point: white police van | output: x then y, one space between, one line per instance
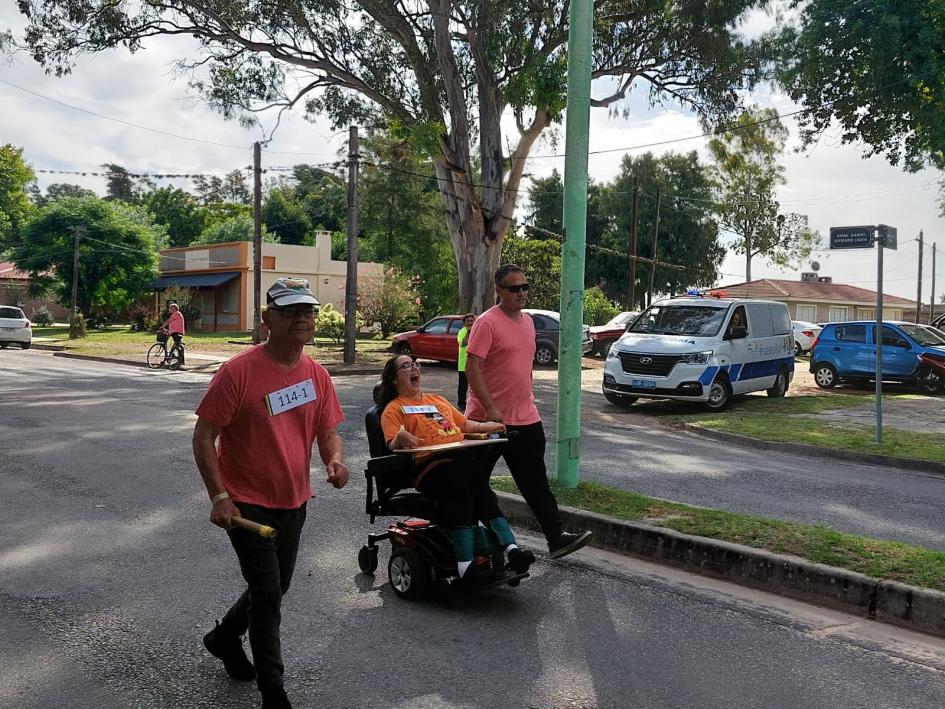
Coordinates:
704 349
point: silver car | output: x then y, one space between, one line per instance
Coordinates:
14 328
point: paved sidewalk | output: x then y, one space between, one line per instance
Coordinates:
922 415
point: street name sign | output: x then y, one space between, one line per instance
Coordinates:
851 237
888 235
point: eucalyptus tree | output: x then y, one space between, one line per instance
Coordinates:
450 72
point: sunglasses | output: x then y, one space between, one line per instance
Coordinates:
297 311
516 288
407 366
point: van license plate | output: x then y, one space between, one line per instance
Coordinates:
643 383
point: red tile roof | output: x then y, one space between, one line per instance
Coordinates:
8 270
778 289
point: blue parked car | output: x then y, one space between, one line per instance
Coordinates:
846 351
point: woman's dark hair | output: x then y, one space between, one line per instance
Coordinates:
386 390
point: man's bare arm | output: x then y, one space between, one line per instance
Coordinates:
205 455
332 451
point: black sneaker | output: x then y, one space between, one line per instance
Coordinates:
275 698
229 649
520 560
568 542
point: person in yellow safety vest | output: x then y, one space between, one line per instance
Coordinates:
463 338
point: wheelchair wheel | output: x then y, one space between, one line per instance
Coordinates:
367 559
408 573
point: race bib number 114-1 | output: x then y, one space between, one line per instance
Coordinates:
291 397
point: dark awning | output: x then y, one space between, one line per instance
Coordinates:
194 280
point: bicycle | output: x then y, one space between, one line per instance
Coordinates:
159 354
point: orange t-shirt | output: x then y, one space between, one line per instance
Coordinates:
440 424
507 348
264 457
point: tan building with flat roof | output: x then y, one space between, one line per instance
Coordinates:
222 275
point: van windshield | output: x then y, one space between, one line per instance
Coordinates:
692 320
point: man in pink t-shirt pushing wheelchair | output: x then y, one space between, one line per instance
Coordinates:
499 368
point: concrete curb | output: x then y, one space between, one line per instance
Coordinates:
891 602
925 466
92 358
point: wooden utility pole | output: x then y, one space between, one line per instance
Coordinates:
76 232
932 294
632 254
351 283
918 296
656 231
257 241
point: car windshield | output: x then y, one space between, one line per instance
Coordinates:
620 320
8 312
692 320
925 336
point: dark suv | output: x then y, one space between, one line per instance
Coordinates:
847 351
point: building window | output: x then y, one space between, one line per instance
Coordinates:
269 263
806 313
838 313
866 313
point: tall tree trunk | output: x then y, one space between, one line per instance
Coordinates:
747 265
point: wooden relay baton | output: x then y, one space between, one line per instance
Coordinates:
263 530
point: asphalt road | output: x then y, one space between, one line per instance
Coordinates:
110 573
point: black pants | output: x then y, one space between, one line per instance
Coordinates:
178 342
525 456
461 389
461 487
267 565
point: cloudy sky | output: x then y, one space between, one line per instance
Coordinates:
831 183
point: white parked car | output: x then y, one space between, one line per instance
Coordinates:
14 328
804 335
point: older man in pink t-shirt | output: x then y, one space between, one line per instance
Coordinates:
499 368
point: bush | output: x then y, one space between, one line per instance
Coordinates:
76 326
330 323
98 321
141 317
598 309
42 316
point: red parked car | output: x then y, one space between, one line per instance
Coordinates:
434 340
603 336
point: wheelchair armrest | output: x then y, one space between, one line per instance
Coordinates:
391 473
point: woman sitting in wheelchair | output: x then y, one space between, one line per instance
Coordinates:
459 483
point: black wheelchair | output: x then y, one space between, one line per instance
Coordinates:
422 557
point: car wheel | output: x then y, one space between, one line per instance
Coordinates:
25 345
605 347
931 383
544 355
408 574
4 345
720 394
403 348
780 385
798 350
825 375
620 399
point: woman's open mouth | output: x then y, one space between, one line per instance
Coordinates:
414 378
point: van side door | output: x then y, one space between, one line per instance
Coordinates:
741 350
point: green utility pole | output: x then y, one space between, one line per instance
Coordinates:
568 449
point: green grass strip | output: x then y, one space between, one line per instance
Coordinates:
790 420
874 557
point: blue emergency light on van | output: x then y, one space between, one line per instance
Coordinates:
705 350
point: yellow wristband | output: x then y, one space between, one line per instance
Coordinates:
222 496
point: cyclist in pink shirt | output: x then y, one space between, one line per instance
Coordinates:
175 327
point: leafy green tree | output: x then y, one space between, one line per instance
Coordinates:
15 206
402 223
57 191
230 188
687 237
390 301
445 74
118 248
286 217
876 68
238 228
123 186
324 196
748 174
540 259
330 323
180 214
